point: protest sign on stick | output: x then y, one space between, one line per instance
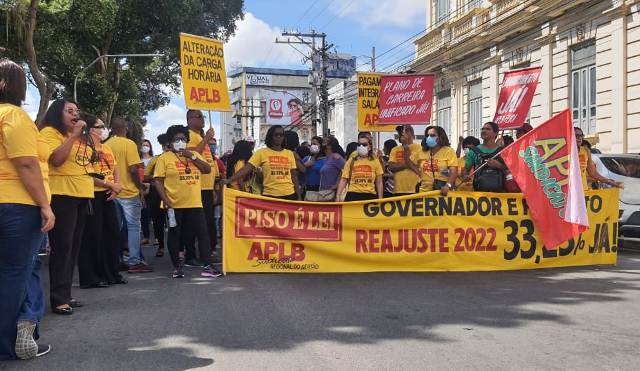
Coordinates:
368 103
204 79
406 99
516 95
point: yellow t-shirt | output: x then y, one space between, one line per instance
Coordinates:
235 185
585 158
126 154
459 185
72 177
19 137
363 174
404 181
276 170
106 166
182 187
438 166
207 179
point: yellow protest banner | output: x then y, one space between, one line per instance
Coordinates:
467 231
204 79
368 106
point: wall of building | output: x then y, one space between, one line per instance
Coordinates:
613 26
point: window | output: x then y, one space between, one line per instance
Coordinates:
443 115
442 10
475 108
583 87
471 4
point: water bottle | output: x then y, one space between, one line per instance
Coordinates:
171 214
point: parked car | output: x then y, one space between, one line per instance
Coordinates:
624 168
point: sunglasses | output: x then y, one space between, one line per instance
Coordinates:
363 144
180 140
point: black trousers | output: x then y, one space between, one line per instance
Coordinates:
158 216
356 196
190 234
291 197
99 257
65 240
193 220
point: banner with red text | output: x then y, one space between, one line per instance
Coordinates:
544 162
369 103
465 231
406 99
516 95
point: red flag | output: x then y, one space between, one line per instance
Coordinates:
405 99
544 162
516 95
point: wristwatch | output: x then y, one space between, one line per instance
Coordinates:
193 157
449 185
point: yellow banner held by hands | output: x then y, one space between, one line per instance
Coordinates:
204 79
466 231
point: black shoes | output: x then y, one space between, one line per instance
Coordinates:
98 285
63 311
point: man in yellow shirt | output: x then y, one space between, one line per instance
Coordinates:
405 179
128 161
195 123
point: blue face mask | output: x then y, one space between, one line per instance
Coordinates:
431 142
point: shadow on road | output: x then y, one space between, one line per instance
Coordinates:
159 323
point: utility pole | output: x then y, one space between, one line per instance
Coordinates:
251 115
318 70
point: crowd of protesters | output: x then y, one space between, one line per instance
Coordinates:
91 194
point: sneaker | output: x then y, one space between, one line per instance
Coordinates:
193 263
26 346
140 268
43 349
178 273
211 272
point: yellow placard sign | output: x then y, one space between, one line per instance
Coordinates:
466 231
204 79
368 107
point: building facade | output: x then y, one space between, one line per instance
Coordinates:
589 52
250 92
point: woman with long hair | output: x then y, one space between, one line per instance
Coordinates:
436 164
99 257
72 189
25 217
278 165
242 152
362 174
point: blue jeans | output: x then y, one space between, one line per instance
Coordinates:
131 210
21 295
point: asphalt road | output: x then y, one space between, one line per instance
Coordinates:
574 318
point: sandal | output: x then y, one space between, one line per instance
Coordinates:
160 253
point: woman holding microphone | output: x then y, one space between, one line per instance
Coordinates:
25 216
72 189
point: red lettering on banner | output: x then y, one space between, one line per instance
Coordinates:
202 95
406 99
287 221
276 251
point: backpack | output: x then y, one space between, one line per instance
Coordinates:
487 179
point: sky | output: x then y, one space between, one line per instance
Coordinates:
353 26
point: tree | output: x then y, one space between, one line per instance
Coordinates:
72 33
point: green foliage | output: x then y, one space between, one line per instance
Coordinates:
72 33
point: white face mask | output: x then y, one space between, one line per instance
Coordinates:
314 148
363 151
145 149
104 134
179 145
466 151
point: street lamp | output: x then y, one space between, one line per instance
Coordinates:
75 81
